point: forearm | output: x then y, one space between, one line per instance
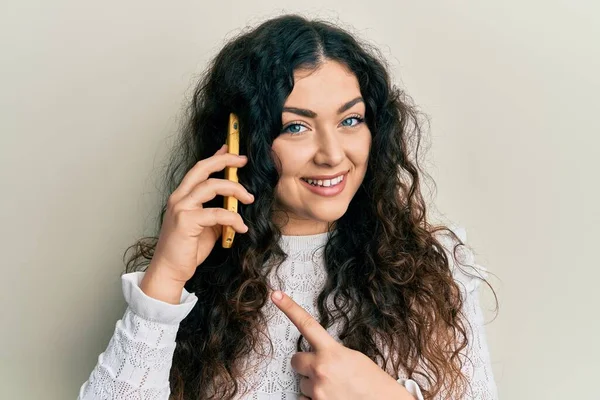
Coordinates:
136 362
138 358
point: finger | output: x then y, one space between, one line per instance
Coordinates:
208 217
306 387
203 169
314 333
223 149
303 363
210 188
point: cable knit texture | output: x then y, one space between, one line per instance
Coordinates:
137 361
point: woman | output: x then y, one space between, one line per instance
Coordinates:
337 286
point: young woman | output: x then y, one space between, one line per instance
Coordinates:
336 286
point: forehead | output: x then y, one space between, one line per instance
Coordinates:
323 89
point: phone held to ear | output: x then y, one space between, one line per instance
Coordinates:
231 203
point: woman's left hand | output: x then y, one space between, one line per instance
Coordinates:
333 371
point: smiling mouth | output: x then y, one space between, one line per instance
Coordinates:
325 182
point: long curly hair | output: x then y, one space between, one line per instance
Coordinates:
389 277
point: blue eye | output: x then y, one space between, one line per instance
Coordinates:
297 125
293 132
357 118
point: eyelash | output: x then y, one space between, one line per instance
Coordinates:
357 117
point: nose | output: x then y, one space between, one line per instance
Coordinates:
330 149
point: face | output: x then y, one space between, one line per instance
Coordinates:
324 139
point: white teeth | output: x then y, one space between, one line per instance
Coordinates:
326 182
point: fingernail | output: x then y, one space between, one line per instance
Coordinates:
277 295
242 156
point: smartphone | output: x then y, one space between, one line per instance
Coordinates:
229 202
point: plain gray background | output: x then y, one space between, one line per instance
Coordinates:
90 93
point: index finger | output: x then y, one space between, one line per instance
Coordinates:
309 327
203 168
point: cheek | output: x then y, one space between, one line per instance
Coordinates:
291 158
360 148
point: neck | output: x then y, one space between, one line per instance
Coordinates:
292 226
303 231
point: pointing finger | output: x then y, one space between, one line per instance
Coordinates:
310 328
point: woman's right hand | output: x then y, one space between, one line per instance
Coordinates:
189 231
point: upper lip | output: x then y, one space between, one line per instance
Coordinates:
325 177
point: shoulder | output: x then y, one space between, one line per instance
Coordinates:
461 257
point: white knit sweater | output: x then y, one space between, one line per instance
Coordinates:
137 361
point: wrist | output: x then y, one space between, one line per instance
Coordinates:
157 285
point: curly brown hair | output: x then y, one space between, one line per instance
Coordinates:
390 279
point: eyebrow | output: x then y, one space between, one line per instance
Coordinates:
311 114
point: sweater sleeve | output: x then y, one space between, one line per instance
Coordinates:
137 361
412 388
477 364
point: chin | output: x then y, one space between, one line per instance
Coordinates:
328 214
